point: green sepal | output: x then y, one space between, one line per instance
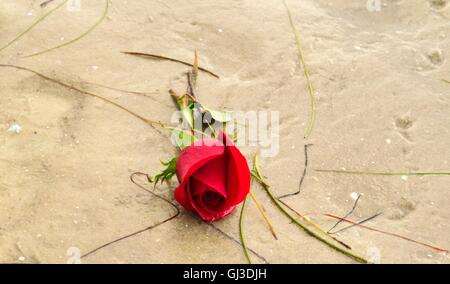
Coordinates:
166 174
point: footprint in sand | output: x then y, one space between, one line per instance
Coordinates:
401 209
435 56
404 124
430 60
438 4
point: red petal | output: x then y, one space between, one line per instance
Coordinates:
238 182
214 175
182 196
191 159
204 198
197 155
207 214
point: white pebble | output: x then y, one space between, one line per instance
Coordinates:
219 30
405 178
354 195
21 258
388 141
15 128
95 67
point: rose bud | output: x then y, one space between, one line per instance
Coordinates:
214 177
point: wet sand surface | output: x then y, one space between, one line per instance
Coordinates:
381 106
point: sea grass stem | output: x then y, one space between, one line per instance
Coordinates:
241 232
382 173
33 25
258 176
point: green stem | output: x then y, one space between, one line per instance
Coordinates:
241 233
33 25
261 211
78 37
383 173
308 231
312 224
258 176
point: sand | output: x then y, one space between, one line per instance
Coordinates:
381 106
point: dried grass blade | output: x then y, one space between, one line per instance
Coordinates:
386 232
382 173
312 113
259 177
155 56
261 210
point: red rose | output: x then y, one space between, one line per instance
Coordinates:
214 177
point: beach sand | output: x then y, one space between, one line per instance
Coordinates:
381 106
